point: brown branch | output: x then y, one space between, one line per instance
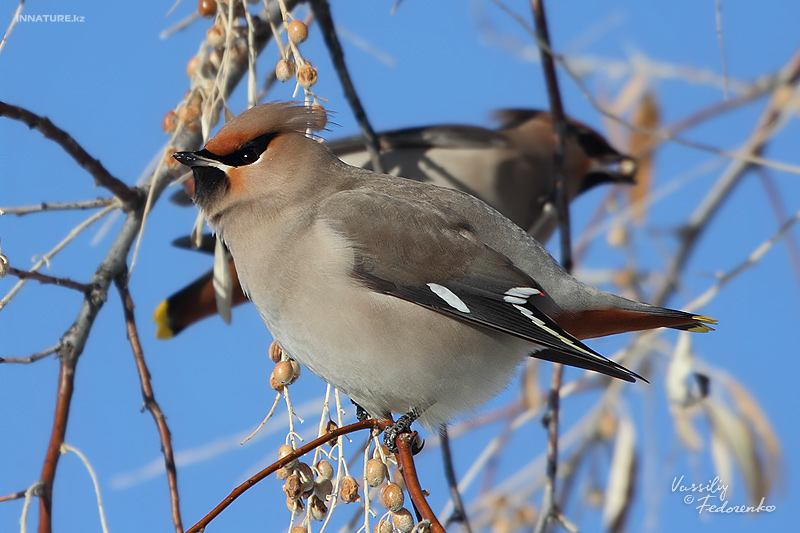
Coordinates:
406 461
549 508
323 14
56 206
459 512
74 340
49 280
13 496
150 403
129 197
241 489
31 358
559 130
71 347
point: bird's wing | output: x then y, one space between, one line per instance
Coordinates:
207 243
426 137
412 248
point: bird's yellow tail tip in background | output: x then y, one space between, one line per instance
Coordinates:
161 318
703 328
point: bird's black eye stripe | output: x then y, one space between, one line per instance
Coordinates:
592 143
247 154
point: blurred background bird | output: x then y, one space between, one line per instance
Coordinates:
510 168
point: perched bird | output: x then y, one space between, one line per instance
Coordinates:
411 298
510 168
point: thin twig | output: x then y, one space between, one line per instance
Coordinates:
56 206
323 14
459 512
718 17
74 340
13 496
67 448
129 196
549 509
406 462
150 402
559 130
11 26
45 259
31 358
699 219
299 452
740 156
48 280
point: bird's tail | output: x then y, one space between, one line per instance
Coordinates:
629 315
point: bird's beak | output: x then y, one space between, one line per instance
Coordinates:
192 159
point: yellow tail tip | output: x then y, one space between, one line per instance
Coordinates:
160 317
703 327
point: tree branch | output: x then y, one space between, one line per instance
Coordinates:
150 400
129 197
56 206
299 452
48 280
323 14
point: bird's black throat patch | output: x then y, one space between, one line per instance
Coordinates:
210 184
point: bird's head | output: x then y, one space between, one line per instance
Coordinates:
258 153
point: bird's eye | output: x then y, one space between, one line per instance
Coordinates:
248 156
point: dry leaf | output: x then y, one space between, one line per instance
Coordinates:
621 476
758 421
647 117
736 439
223 281
531 391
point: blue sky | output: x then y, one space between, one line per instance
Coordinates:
109 80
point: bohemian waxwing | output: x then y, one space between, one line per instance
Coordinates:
510 168
409 297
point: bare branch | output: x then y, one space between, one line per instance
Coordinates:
150 400
13 496
56 206
299 452
45 259
129 196
49 280
323 14
698 221
406 460
31 358
549 509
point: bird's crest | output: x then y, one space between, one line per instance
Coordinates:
272 117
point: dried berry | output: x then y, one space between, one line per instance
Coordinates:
191 66
349 490
275 352
284 70
207 8
403 521
307 76
285 450
392 497
170 122
376 472
297 31
293 486
283 372
215 35
317 509
324 470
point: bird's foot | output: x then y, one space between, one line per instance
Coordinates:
361 413
402 425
